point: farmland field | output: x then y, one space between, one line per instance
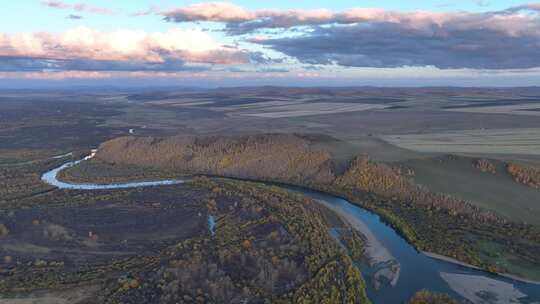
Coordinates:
485 141
315 108
518 109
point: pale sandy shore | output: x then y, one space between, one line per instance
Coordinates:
376 253
374 250
482 290
449 259
454 261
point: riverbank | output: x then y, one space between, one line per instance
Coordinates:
380 254
374 251
477 288
457 262
51 178
449 260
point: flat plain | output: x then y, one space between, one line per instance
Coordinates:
495 190
421 133
483 141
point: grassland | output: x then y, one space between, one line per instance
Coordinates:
313 108
516 109
495 191
482 142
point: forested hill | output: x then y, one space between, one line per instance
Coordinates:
279 157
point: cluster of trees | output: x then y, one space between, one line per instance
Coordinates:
427 297
529 176
21 181
354 242
4 231
278 157
390 183
485 165
269 246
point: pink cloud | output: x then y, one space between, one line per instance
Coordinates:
55 75
511 21
212 11
121 45
79 7
55 4
66 75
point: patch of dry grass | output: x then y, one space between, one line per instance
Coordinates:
315 108
494 141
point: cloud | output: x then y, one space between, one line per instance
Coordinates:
66 75
390 46
240 21
524 7
153 10
313 68
74 17
55 4
84 49
370 37
18 64
79 7
357 37
212 11
273 70
483 3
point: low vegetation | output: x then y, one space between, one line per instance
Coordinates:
485 165
269 245
426 297
4 231
456 175
17 182
101 173
278 157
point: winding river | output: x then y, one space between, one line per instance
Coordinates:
51 178
396 269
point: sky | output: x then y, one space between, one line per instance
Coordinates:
62 43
